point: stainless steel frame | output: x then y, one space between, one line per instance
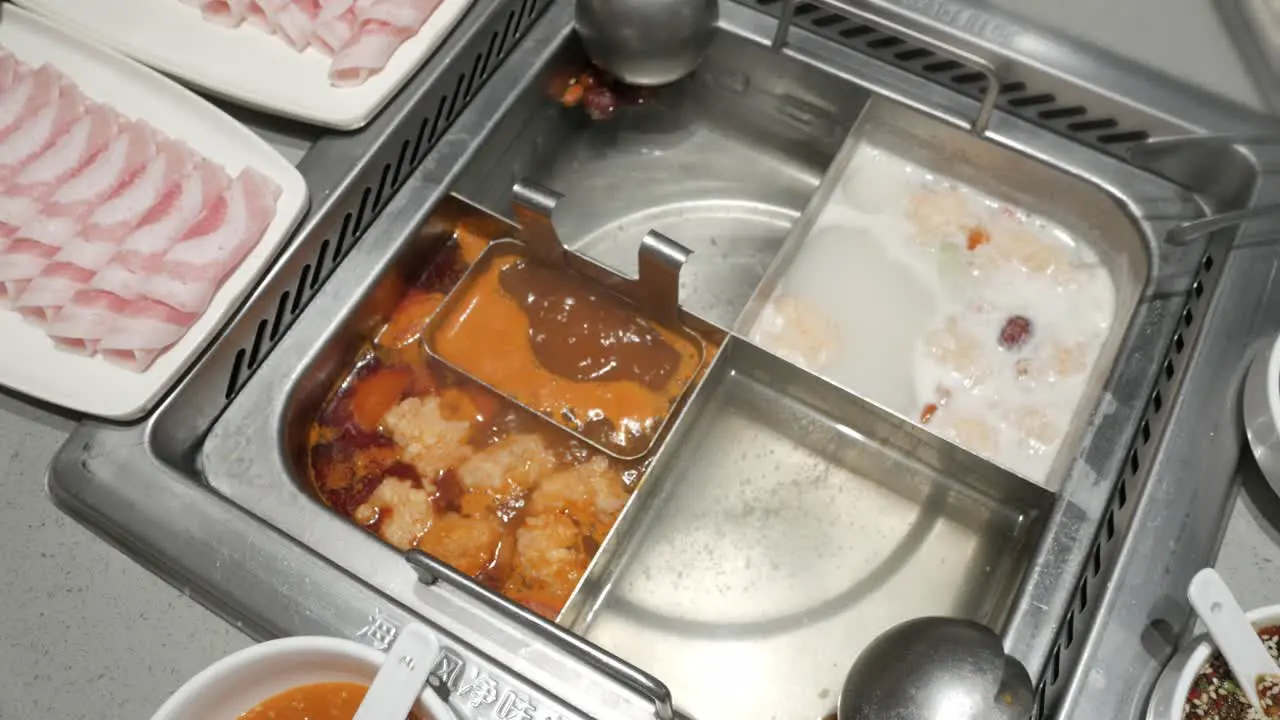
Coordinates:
142 486
655 291
1246 23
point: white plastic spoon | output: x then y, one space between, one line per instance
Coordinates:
401 678
1232 633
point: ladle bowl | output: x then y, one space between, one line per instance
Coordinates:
936 669
647 43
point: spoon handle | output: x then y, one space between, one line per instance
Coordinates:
401 678
1231 631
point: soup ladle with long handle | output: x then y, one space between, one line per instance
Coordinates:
936 668
1232 633
400 680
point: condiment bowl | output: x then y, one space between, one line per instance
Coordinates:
1261 407
239 682
1170 693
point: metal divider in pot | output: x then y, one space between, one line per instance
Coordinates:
641 313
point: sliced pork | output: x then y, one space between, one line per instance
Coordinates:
39 130
193 269
66 158
136 253
228 13
360 35
98 210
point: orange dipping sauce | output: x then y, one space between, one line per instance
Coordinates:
487 334
322 701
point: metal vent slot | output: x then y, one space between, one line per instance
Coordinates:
363 208
1041 108
1119 512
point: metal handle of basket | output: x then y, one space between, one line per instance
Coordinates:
1189 232
1186 233
431 571
909 25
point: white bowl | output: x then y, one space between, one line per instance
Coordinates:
1171 689
237 683
1261 408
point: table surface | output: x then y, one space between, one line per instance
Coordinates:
86 633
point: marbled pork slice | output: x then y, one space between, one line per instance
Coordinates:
195 267
31 90
78 324
139 252
38 131
146 328
23 198
62 215
382 27
228 13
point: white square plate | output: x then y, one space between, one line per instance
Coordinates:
246 65
29 361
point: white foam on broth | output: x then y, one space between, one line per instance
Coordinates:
901 292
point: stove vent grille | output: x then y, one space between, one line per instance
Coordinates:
1096 129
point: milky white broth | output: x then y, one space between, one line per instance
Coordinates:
904 290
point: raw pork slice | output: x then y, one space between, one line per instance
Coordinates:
59 222
228 13
295 22
191 272
142 331
55 286
256 16
21 262
137 253
330 9
383 27
215 245
76 324
126 207
39 131
11 69
31 90
71 154
360 35
63 214
366 53
335 25
268 13
80 325
107 225
143 249
408 15
330 36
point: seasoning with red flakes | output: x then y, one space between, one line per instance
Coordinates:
1215 694
1015 333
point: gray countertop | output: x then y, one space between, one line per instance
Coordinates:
86 633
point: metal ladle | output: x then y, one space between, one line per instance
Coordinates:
647 42
936 669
